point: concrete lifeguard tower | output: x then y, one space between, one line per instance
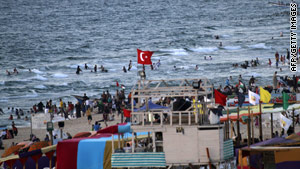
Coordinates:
181 134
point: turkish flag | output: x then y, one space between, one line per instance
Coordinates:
144 57
220 98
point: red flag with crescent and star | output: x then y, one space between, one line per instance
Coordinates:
144 57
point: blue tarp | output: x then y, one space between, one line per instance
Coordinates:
151 107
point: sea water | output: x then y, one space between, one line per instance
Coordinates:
53 37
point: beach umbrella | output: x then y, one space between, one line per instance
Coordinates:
11 150
38 145
82 134
25 144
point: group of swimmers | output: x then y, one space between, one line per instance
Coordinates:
94 70
15 71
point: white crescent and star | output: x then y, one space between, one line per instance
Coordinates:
141 56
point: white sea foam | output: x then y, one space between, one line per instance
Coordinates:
204 49
232 47
176 52
59 75
37 71
259 46
39 77
40 87
253 74
2 82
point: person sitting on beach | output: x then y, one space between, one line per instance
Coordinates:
78 70
97 126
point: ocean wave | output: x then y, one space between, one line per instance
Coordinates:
259 46
204 49
232 47
75 66
37 71
253 74
40 87
59 75
38 77
176 52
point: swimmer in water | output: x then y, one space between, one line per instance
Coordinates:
16 71
210 58
129 65
8 73
204 57
78 70
29 70
86 66
196 68
95 68
220 45
124 69
270 62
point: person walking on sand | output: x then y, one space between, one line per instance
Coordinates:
89 115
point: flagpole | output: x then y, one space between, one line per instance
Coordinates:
260 123
248 127
271 125
252 127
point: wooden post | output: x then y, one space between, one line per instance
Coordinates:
271 125
227 124
208 156
153 141
112 144
248 128
132 142
238 126
119 144
252 126
260 123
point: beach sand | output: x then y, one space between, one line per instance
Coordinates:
72 126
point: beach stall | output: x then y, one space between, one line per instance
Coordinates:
179 130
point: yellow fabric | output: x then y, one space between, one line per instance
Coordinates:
199 107
287 155
107 154
265 96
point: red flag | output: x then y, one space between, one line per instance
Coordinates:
126 113
117 83
144 57
220 98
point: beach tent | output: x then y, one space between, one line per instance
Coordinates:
91 152
151 106
284 152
